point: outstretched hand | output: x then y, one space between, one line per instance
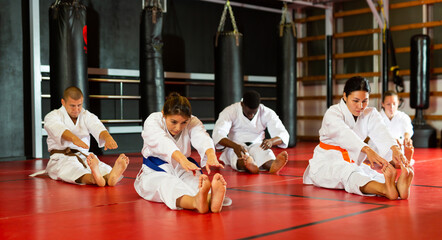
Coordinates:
77 142
110 143
408 142
398 157
69 136
212 161
373 158
189 166
184 162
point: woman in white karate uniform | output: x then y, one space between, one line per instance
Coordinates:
168 174
338 160
398 123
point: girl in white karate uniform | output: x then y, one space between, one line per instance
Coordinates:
168 174
338 160
398 123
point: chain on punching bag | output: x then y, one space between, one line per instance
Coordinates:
286 76
67 49
229 73
151 60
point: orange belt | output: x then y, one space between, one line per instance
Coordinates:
332 147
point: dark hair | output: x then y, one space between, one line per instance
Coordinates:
72 92
177 105
251 99
387 94
356 83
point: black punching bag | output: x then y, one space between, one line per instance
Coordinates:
67 49
228 70
420 72
151 61
229 74
424 135
286 80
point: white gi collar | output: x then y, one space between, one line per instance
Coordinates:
254 119
348 116
384 115
65 113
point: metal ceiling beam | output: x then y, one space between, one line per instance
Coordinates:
307 4
244 5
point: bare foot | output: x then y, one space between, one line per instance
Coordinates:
390 191
118 169
201 204
93 162
280 161
404 181
218 193
251 165
408 152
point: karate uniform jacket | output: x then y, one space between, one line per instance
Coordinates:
158 142
327 168
58 121
234 125
398 125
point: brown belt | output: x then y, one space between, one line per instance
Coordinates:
70 152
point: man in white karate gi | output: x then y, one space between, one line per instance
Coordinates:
240 128
69 129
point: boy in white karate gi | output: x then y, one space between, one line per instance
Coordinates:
240 128
69 129
168 174
337 161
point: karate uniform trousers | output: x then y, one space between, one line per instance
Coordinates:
173 182
69 168
328 169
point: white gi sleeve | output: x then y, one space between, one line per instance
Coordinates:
95 127
222 126
379 134
276 128
156 140
340 133
55 127
199 138
408 126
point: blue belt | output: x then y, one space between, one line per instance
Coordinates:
154 163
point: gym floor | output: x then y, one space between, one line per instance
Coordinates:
264 206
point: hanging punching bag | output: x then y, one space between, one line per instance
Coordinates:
67 49
286 80
420 72
424 135
151 60
229 73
